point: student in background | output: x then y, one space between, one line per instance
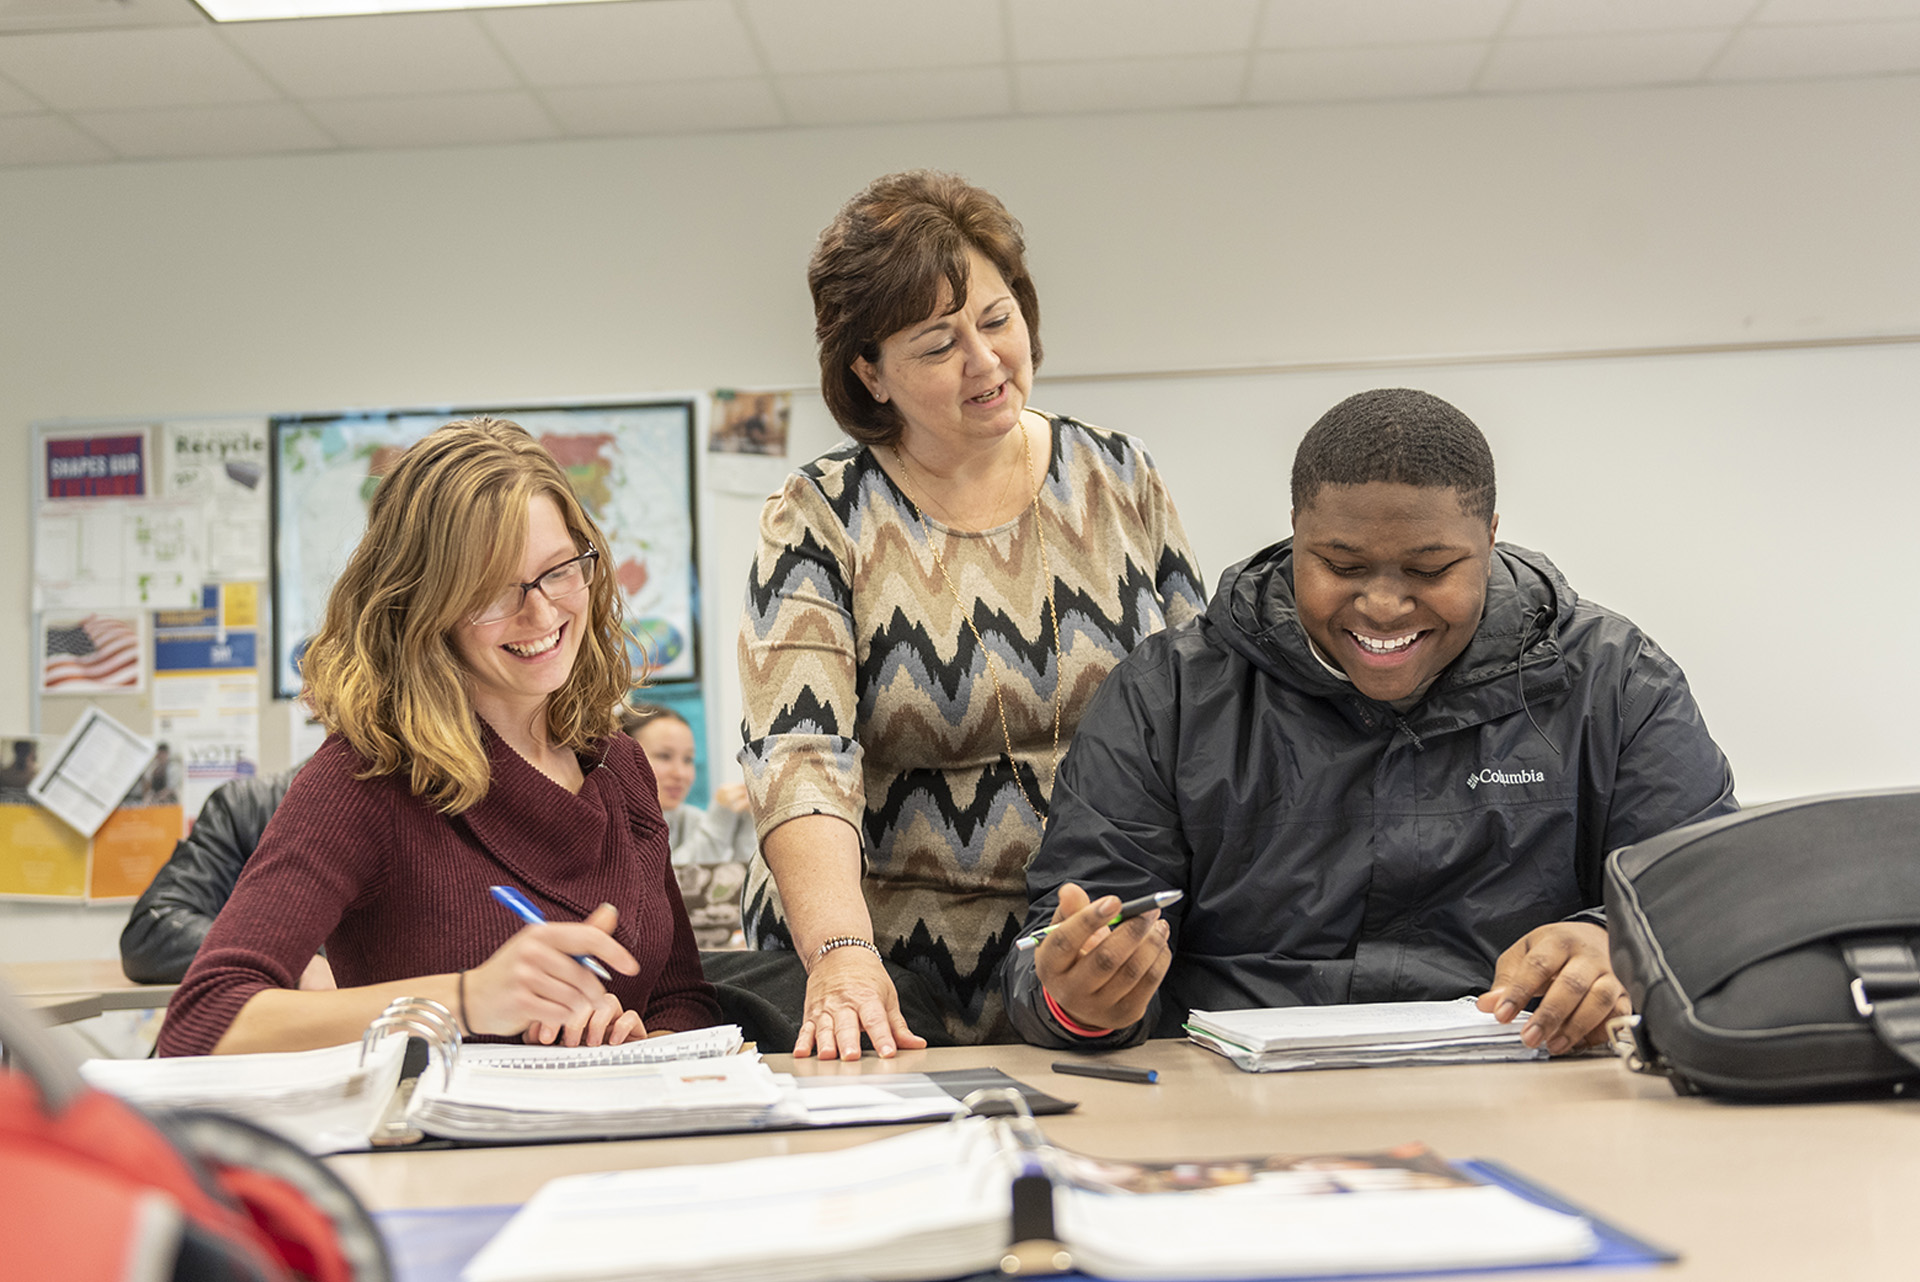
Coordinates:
467 671
710 848
1387 764
165 928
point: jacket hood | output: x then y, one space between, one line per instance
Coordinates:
1529 606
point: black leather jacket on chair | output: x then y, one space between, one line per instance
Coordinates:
172 916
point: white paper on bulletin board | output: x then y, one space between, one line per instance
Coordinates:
222 465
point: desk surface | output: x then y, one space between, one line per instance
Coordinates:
1788 1192
73 990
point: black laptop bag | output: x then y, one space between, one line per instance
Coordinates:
1770 954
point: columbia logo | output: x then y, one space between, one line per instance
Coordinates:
1505 776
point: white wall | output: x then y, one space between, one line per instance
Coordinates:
1161 242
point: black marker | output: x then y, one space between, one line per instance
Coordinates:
1111 1072
1132 908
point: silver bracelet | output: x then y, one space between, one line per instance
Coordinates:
841 941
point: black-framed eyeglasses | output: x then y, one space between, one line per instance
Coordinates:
565 580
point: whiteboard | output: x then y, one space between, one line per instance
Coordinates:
1754 510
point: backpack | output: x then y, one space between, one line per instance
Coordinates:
1770 954
92 1188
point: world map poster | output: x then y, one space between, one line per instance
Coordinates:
631 466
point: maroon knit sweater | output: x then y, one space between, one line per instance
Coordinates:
395 889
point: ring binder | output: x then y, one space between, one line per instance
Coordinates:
429 1026
425 1018
1034 1248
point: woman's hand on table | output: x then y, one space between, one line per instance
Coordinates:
850 992
533 984
1101 976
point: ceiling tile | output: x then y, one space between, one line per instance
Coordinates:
1305 24
1138 84
1600 62
1331 75
1843 49
1582 17
240 130
110 70
681 106
16 102
887 97
67 15
434 120
46 140
1834 10
610 44
856 35
1095 30
391 55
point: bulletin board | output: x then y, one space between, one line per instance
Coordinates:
632 466
149 557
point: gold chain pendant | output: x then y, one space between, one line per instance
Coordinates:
1053 613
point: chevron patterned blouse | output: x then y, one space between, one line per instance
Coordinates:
867 697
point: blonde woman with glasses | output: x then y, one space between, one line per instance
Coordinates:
466 670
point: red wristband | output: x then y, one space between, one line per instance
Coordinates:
1061 1016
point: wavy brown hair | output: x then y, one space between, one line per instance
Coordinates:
445 533
879 267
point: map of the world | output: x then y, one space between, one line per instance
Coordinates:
631 465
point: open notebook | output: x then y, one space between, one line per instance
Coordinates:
1362 1035
398 1091
938 1203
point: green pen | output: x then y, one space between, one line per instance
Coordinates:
1132 908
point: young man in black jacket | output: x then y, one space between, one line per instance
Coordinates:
1387 764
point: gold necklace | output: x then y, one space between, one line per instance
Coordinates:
1053 613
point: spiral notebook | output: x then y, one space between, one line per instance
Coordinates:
698 1043
411 1083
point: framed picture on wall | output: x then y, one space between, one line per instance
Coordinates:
631 466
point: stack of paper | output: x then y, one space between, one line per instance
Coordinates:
1359 1036
325 1101
927 1204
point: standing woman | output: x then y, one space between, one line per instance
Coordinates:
931 608
466 671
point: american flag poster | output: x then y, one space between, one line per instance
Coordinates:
97 653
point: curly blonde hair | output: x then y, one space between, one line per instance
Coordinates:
445 533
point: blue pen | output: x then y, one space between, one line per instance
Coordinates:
523 909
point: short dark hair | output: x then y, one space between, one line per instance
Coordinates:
1400 435
635 715
879 266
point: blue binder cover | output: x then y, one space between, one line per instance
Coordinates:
433 1245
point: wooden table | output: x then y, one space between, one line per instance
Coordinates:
64 992
1743 1192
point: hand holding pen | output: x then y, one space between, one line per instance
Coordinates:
538 982
1125 912
1100 967
529 912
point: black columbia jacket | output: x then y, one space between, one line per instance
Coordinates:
1334 850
